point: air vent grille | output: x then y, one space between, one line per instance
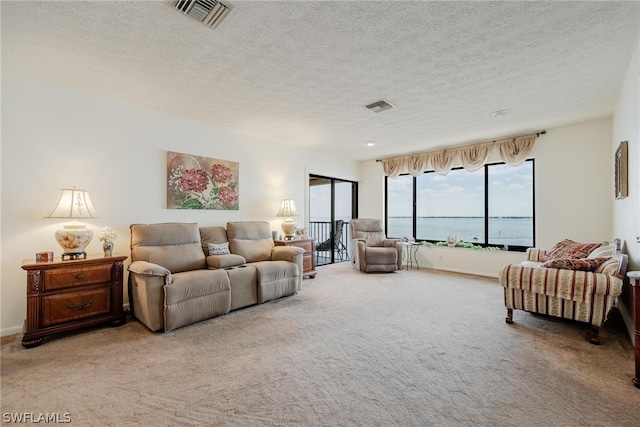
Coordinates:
379 106
209 12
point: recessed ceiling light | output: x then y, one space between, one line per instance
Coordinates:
500 113
370 143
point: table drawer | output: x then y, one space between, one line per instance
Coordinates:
71 277
75 305
307 262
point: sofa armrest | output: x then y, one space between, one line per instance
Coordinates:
215 262
144 268
286 253
146 289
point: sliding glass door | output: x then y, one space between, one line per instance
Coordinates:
332 204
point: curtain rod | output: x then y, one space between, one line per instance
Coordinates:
542 132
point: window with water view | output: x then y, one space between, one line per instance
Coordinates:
493 206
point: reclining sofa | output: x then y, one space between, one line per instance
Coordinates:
182 274
572 281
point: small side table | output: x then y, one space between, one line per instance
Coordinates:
634 278
411 249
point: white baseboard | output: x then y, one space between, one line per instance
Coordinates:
4 332
462 271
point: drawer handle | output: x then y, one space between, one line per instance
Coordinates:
80 307
79 276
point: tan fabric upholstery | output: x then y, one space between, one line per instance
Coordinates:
371 251
195 296
225 261
244 286
250 239
174 246
212 235
172 283
276 279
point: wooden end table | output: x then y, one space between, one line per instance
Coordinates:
64 296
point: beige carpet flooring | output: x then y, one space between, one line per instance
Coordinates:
412 348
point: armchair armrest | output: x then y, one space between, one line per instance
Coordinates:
536 254
391 242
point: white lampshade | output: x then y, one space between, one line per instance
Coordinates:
73 203
74 237
288 209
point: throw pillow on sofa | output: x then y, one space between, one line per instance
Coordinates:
219 248
583 264
569 249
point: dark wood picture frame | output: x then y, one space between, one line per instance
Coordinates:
621 175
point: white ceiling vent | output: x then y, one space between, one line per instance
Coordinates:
209 12
379 106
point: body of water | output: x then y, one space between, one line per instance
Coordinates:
516 231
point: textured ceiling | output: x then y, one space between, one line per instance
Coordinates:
301 72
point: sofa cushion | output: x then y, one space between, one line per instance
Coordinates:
212 235
218 248
604 251
250 239
194 296
569 249
582 264
224 261
610 267
175 246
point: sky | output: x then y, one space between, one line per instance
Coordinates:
460 193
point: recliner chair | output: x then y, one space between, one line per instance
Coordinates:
371 251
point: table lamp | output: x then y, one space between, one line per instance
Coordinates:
287 210
74 237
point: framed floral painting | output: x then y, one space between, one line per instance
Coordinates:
195 182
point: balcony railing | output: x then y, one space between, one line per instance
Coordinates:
321 231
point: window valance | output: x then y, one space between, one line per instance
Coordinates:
513 151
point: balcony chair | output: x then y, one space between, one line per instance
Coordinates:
334 243
371 251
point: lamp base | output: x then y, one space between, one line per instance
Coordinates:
74 255
74 238
289 228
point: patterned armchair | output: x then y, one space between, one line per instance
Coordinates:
582 289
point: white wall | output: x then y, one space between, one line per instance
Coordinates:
573 190
54 138
626 212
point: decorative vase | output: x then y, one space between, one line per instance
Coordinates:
107 246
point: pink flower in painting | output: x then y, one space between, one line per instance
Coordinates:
228 196
194 180
221 173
